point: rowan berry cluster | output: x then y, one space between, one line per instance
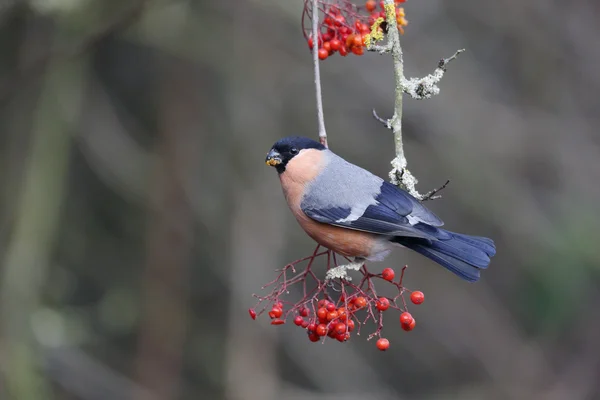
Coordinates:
335 308
344 25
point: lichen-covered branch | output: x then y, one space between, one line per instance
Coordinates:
417 88
425 88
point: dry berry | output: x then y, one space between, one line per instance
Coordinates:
383 344
388 274
417 297
383 303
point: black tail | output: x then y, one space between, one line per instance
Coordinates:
462 254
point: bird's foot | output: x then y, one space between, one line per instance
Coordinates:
341 271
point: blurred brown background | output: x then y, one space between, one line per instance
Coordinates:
137 216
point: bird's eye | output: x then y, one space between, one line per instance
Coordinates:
293 151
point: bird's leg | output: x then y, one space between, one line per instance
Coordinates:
341 270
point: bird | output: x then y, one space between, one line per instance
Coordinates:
359 215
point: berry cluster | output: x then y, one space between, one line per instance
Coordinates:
334 309
345 26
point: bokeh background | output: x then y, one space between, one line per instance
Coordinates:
137 216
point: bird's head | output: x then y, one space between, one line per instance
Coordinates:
287 148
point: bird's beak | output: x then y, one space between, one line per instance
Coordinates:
273 158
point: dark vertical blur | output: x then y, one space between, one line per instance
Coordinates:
137 216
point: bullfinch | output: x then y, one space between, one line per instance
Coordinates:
354 213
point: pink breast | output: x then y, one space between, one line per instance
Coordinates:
300 171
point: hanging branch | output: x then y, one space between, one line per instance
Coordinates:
315 53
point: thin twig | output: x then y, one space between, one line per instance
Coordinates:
385 122
431 194
315 50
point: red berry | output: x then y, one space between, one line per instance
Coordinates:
383 344
277 322
310 42
327 46
278 304
298 320
343 51
342 337
364 28
321 330
340 328
342 315
370 5
328 20
252 313
360 302
335 45
322 314
322 303
275 312
350 40
350 324
383 303
405 318
339 20
417 297
305 324
358 40
304 312
330 307
313 337
381 4
359 51
410 326
311 327
388 274
323 54
332 315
